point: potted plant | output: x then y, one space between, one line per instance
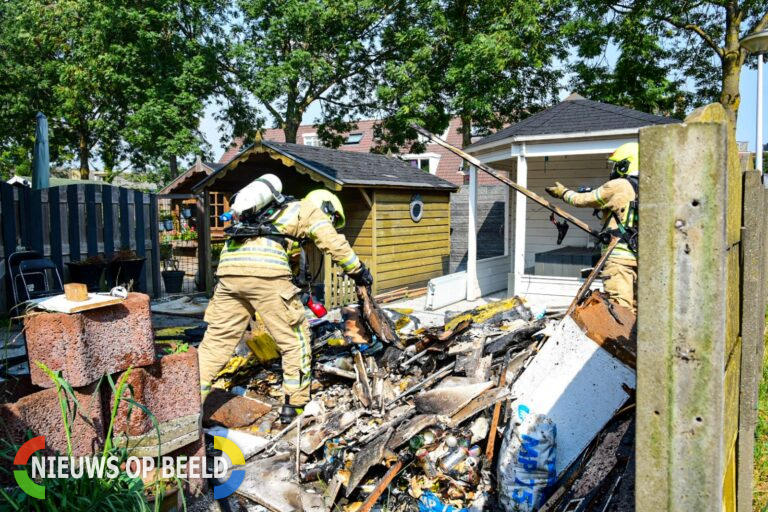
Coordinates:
172 276
166 251
87 272
186 212
125 268
166 218
216 254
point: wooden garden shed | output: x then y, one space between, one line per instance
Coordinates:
398 216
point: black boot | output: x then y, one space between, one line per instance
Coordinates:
289 412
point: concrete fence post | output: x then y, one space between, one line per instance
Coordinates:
682 307
752 329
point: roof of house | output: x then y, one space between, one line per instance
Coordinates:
343 168
576 114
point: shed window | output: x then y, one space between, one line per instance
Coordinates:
217 207
354 138
416 208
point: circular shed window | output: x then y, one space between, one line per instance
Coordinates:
417 208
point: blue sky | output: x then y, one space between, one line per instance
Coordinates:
745 129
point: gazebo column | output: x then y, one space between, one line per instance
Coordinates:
472 286
518 254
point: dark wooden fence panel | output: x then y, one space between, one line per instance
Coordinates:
73 222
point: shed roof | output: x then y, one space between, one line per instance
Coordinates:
576 114
186 180
338 168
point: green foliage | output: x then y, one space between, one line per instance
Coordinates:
88 494
121 81
289 55
760 477
488 62
670 54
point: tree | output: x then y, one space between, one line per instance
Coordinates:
287 55
117 80
665 47
489 62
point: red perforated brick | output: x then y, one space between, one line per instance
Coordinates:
39 414
169 388
85 346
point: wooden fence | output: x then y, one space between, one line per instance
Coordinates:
73 222
339 289
701 317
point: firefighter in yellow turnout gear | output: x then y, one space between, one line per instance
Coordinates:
255 277
616 199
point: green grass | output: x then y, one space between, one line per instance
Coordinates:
761 445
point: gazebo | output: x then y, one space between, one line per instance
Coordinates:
569 143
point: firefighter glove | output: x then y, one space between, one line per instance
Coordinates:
362 276
557 191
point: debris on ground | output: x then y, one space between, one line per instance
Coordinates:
417 424
503 407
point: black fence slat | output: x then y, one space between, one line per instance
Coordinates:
54 212
109 219
8 216
25 198
8 219
125 225
36 221
141 250
154 234
73 226
91 222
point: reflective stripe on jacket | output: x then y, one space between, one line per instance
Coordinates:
267 257
613 196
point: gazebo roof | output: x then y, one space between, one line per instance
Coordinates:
575 115
336 168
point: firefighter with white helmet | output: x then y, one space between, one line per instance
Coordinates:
617 199
254 276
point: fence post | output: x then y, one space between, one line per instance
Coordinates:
682 306
752 328
204 267
155 238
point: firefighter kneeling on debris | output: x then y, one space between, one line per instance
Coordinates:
617 199
254 276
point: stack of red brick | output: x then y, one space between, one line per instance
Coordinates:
86 347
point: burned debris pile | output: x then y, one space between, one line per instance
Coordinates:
426 421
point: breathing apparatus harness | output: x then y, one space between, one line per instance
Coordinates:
626 233
260 223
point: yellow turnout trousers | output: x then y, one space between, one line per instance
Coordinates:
277 302
620 282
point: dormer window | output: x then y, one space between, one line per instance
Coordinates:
353 138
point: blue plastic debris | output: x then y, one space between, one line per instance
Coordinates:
429 502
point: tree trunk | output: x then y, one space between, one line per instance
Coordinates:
466 130
731 61
291 129
84 154
173 164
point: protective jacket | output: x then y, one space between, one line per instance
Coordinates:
614 196
269 256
